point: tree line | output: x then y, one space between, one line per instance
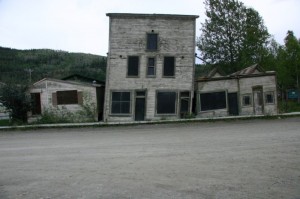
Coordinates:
21 66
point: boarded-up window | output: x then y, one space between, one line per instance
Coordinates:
120 103
152 39
169 67
213 101
67 97
151 67
166 103
133 66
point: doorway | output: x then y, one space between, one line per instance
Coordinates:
36 103
258 101
140 105
233 105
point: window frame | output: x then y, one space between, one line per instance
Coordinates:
148 66
174 67
272 93
111 103
128 65
175 105
148 44
243 100
214 109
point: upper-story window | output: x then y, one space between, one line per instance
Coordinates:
133 66
151 67
169 67
152 39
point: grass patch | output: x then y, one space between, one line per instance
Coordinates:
4 122
288 107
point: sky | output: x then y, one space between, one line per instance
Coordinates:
82 25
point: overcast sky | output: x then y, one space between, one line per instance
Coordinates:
82 25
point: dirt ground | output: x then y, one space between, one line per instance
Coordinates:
236 159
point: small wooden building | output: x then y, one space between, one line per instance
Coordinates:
251 91
70 96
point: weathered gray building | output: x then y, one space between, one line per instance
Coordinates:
251 91
150 66
80 99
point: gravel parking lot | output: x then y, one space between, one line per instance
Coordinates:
236 159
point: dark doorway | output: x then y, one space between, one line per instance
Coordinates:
233 104
140 107
36 103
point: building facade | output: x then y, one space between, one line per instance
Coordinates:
150 67
251 91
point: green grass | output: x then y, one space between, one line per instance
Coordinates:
4 122
287 107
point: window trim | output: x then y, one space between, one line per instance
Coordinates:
176 103
138 68
163 68
157 46
273 97
130 104
154 67
250 100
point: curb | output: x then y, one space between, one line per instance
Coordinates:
107 124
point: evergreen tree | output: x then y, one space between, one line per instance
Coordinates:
233 36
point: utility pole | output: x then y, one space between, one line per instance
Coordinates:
29 70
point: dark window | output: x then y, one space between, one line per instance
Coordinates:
152 41
166 103
133 66
67 97
269 98
213 101
151 67
246 100
169 67
120 103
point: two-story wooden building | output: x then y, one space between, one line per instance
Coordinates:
150 67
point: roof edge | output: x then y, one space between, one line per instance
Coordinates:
154 15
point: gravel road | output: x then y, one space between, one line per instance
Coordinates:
236 159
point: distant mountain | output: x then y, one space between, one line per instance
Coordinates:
18 66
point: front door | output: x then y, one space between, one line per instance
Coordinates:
140 107
258 101
233 104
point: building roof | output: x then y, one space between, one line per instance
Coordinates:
81 78
254 69
69 82
136 15
251 71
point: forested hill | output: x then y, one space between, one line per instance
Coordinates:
17 65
